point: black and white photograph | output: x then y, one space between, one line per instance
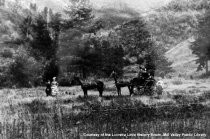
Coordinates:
104 69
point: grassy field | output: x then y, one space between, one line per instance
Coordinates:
183 108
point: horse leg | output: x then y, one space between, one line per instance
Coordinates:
118 90
100 90
85 93
131 90
100 93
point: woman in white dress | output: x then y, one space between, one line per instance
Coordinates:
54 86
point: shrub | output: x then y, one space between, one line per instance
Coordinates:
206 95
64 81
7 53
5 80
24 70
205 75
177 81
50 70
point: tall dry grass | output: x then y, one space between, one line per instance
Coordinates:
27 113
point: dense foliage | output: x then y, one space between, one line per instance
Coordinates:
80 43
40 37
201 46
25 71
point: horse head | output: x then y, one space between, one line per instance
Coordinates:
113 74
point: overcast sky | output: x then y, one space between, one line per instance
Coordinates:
138 5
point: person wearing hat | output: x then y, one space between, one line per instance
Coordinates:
142 72
54 86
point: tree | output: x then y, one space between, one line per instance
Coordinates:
201 46
45 14
111 57
41 36
51 70
55 25
26 29
134 37
2 2
33 7
137 42
79 14
45 42
42 43
78 22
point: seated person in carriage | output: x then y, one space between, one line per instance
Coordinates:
143 74
145 80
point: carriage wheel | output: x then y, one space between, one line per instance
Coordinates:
138 90
149 88
141 90
148 91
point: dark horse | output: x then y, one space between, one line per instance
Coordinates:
120 84
99 85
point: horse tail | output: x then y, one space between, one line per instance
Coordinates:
103 85
100 84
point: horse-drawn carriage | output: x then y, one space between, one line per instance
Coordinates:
143 86
144 83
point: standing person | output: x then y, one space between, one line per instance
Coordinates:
54 86
48 88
